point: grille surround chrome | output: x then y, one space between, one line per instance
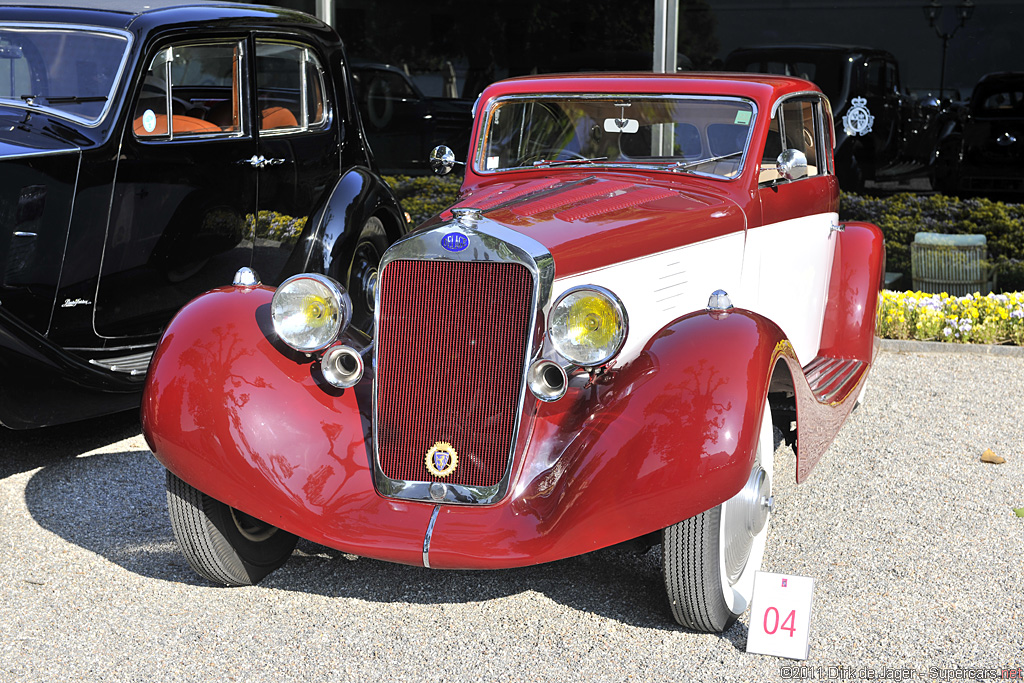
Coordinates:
487 241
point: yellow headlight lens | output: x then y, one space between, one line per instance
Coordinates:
587 326
310 311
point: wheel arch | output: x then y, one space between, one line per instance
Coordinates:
360 194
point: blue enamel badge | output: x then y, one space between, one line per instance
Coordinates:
455 241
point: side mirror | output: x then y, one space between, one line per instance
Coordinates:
442 160
792 164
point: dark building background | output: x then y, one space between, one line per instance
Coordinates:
485 41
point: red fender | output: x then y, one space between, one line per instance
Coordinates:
244 420
235 414
673 434
858 272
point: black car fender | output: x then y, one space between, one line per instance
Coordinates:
357 196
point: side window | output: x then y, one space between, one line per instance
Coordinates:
191 90
876 77
290 90
797 125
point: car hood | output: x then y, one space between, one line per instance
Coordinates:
590 222
19 140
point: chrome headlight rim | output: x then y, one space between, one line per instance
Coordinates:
336 294
622 320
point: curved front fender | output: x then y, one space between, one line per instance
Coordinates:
236 414
357 195
672 434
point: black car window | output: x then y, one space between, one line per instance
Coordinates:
880 78
290 90
1000 100
194 88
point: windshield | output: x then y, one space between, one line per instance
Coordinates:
705 135
71 72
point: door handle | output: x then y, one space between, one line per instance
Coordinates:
836 227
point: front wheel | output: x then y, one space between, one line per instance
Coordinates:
709 560
362 273
221 543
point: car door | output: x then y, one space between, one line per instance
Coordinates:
794 246
183 190
298 132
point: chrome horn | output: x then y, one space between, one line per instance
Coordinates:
342 366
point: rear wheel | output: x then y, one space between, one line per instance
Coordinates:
709 560
221 543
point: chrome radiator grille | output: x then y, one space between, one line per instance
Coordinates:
451 350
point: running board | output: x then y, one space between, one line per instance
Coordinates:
828 377
136 364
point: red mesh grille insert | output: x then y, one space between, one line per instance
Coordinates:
450 354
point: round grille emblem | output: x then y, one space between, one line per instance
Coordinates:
441 459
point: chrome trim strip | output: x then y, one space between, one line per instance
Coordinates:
134 365
478 153
488 241
427 536
792 95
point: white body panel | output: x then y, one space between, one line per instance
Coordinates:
781 272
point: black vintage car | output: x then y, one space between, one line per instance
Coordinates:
881 133
147 152
402 123
982 147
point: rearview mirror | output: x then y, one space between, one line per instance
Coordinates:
442 160
792 164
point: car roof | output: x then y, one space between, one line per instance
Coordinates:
147 14
763 88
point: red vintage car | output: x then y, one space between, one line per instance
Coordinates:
643 284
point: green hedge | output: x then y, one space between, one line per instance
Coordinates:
425 196
900 216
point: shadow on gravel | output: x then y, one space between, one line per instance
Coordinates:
21 451
114 504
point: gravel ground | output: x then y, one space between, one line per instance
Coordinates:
912 542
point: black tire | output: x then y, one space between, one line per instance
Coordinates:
360 280
701 595
222 544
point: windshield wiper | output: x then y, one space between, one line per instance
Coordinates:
66 99
562 162
685 165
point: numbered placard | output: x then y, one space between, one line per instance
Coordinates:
780 616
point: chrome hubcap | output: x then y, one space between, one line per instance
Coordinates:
743 518
251 528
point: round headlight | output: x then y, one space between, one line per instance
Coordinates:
587 326
310 311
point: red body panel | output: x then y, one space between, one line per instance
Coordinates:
232 413
858 271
